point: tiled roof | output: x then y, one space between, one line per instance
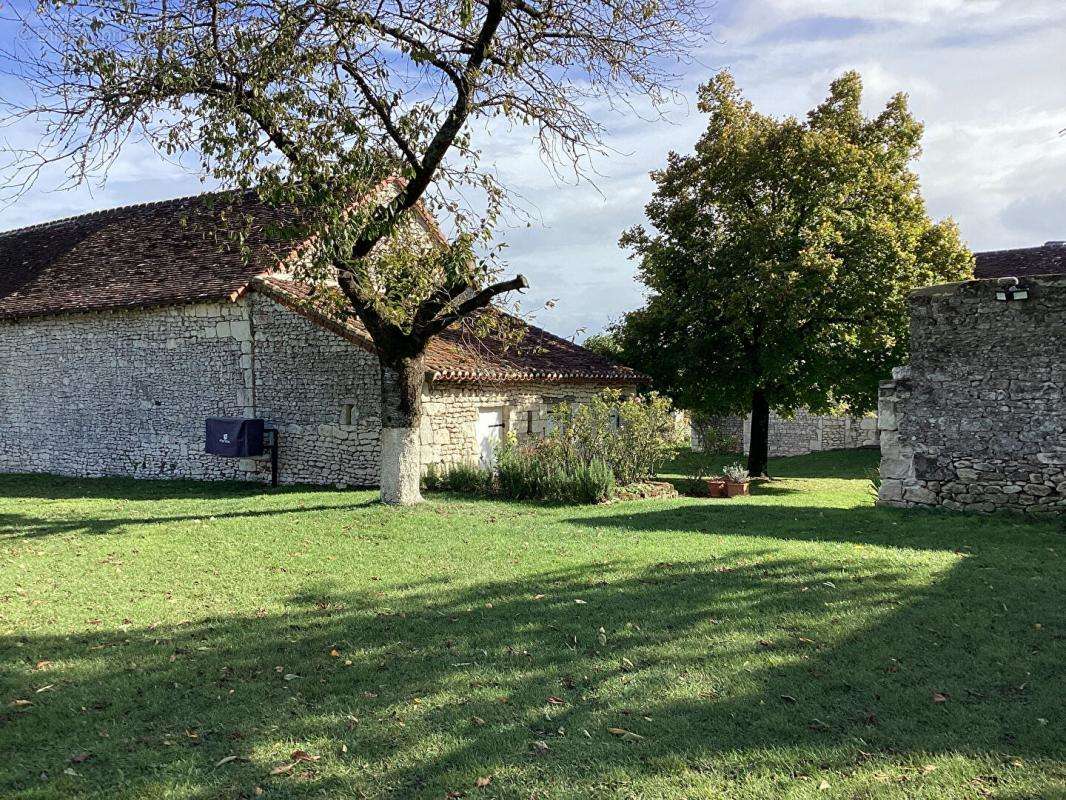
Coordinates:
174 251
182 251
458 356
1048 259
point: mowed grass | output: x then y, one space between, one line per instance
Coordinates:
180 640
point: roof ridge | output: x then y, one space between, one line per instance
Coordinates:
1044 246
115 209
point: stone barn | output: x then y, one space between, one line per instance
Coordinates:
123 330
977 420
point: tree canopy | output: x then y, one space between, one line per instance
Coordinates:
314 103
782 255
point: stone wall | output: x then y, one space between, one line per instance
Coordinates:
126 393
121 393
977 421
802 433
450 413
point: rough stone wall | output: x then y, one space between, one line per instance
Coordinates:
126 393
977 421
322 394
803 433
122 393
450 413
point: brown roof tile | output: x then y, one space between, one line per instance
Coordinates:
174 251
1048 259
457 355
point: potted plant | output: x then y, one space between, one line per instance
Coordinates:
701 483
716 486
736 480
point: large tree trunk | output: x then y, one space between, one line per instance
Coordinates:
759 446
401 414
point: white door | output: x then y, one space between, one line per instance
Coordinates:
489 434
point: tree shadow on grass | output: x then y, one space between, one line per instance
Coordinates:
843 464
727 668
24 526
56 487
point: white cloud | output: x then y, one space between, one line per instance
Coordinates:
897 10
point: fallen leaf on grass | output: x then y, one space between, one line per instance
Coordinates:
335 653
225 760
624 735
80 758
788 699
284 769
540 747
824 785
940 697
289 676
302 755
477 720
556 701
482 782
21 703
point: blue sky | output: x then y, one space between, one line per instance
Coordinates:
986 77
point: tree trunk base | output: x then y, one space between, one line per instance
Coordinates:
401 467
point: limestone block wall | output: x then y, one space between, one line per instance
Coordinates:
802 433
977 421
450 413
122 393
127 392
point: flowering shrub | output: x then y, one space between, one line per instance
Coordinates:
587 450
632 436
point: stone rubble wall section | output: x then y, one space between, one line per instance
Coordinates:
801 434
322 394
122 392
977 421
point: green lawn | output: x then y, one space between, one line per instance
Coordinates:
797 643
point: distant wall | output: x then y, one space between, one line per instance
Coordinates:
977 421
803 433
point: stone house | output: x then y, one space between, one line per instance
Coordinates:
977 419
122 331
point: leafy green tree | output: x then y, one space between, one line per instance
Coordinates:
782 257
315 103
605 344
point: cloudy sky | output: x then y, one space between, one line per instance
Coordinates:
988 78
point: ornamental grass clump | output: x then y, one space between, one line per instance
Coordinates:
537 471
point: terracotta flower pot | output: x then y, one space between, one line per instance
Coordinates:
734 489
715 487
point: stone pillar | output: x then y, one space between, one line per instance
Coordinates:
897 459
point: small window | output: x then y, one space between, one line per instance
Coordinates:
347 413
529 423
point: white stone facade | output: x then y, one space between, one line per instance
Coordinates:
450 413
127 393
